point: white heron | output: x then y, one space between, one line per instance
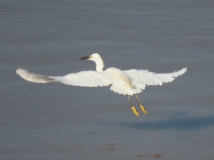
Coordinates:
126 82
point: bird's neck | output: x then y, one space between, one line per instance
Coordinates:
99 65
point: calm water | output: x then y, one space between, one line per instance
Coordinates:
54 121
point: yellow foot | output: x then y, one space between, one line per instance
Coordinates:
143 109
135 111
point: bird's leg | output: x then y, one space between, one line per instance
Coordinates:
141 106
132 107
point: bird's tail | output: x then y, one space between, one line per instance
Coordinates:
32 77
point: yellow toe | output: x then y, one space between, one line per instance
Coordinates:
143 109
135 111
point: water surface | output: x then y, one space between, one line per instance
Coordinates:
55 121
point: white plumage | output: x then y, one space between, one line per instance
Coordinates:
127 82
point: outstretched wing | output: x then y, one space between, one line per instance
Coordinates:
84 79
141 78
123 82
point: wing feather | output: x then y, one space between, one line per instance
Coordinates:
84 78
141 78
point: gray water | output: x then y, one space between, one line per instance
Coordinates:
55 121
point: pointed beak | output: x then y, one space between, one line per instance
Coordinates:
84 58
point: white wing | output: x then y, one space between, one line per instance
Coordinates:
141 78
32 77
123 82
84 79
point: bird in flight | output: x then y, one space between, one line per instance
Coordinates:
126 82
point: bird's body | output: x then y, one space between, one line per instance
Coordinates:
127 82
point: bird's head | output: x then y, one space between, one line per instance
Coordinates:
97 59
92 57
